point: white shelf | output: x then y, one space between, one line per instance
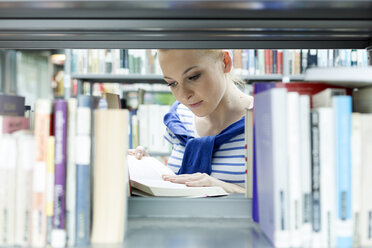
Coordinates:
342 76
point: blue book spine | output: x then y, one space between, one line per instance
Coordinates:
342 108
82 204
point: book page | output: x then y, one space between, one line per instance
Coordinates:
147 168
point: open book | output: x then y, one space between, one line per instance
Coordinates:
145 179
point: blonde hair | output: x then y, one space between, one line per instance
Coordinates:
217 53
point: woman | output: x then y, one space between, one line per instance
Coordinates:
206 124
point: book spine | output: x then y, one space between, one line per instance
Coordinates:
12 105
366 208
83 160
50 188
327 176
25 160
71 173
43 111
11 124
305 169
342 111
315 179
356 176
279 62
295 203
60 132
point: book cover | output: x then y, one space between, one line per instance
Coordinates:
50 188
12 105
249 153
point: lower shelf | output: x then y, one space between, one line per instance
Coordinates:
194 232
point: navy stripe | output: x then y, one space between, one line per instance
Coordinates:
229 172
174 165
229 164
230 141
232 148
173 137
187 123
165 137
176 158
234 181
232 156
178 150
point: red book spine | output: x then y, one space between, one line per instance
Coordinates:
267 61
279 62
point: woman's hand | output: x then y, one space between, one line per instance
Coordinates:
203 180
139 152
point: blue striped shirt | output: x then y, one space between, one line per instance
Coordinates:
228 162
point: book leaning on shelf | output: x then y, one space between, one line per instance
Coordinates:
145 180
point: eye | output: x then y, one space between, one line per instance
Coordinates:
193 78
173 84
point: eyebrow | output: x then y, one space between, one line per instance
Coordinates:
187 70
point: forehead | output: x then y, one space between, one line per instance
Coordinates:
171 60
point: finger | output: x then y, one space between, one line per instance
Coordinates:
131 151
198 183
184 179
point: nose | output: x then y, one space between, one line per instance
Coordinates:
186 92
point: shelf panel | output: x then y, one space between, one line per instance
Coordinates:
186 24
122 78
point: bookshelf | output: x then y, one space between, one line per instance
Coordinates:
176 24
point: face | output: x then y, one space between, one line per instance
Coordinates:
196 78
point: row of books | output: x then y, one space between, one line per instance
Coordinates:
46 174
267 61
312 164
246 62
114 61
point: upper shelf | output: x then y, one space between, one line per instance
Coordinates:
186 24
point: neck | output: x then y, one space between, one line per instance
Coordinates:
229 110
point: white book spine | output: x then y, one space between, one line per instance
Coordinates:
305 169
327 177
366 210
25 158
356 176
281 233
295 203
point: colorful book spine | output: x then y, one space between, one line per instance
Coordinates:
43 112
342 106
12 105
83 168
60 133
10 124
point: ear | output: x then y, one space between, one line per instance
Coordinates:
227 62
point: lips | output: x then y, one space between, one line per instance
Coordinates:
195 105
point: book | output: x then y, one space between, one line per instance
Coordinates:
270 122
110 176
324 97
249 153
43 119
59 194
145 176
366 187
12 105
50 188
24 170
362 101
342 107
10 124
71 172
